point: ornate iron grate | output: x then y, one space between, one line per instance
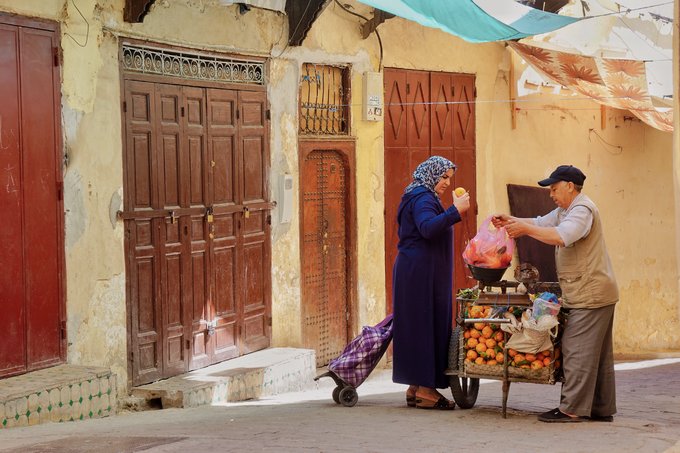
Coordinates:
173 63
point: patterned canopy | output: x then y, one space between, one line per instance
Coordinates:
616 83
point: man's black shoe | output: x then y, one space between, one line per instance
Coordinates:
557 416
602 418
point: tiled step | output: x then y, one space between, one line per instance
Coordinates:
263 373
57 394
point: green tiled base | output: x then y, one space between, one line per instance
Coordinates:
91 397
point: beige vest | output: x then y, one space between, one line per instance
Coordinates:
584 269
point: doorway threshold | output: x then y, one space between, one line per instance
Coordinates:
259 374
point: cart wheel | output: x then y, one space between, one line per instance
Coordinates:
336 394
464 391
348 396
454 348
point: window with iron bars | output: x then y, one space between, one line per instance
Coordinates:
324 100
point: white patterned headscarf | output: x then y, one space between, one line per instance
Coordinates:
429 172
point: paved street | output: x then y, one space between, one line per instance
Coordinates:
648 421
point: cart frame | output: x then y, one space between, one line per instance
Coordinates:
464 383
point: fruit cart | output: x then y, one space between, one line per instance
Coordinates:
483 308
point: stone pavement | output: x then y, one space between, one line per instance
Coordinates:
648 421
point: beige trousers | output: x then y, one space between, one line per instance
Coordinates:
589 387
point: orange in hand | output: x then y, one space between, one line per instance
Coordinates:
459 191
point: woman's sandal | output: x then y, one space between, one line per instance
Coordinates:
441 404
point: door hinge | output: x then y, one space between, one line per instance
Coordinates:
188 343
453 91
408 88
269 321
63 330
124 107
182 111
268 114
60 190
269 219
56 54
238 114
475 92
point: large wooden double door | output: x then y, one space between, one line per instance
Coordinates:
197 222
427 114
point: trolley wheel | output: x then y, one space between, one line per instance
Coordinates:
336 394
464 391
348 396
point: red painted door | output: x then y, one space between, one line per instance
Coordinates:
31 237
427 114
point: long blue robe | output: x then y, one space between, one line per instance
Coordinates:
422 283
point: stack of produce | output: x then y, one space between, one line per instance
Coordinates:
484 343
532 361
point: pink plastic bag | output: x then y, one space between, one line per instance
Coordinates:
491 248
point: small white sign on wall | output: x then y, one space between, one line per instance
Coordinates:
373 106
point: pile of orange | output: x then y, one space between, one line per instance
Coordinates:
534 361
484 343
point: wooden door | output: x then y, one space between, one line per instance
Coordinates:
31 199
255 249
326 251
197 224
427 114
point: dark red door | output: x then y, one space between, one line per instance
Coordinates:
31 237
427 114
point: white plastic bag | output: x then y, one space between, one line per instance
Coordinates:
531 335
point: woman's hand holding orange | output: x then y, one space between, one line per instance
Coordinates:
462 203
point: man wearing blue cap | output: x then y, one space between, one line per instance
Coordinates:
589 293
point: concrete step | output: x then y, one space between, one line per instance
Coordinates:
57 394
264 373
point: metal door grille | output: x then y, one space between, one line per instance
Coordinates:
324 100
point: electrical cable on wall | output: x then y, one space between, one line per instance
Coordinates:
290 35
87 32
375 30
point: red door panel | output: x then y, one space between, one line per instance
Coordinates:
464 148
439 121
30 200
13 319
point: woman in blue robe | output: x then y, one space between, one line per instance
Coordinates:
422 282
